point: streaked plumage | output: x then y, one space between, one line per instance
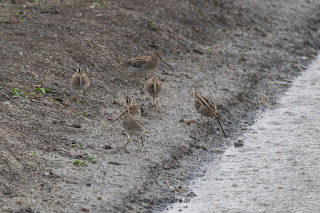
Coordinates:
80 81
207 108
144 64
134 108
132 127
153 87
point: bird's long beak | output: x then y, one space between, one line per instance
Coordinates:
165 61
155 87
116 118
119 116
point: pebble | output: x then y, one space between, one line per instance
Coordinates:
107 146
76 126
85 209
191 194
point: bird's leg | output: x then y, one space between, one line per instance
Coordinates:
135 76
78 96
84 96
153 101
142 145
127 142
157 106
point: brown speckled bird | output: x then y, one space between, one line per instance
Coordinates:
134 108
132 127
207 108
80 81
153 87
144 64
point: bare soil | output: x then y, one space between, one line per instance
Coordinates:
243 54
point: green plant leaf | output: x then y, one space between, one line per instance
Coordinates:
82 113
43 90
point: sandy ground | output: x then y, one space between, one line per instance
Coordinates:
243 54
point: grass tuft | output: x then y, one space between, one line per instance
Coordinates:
152 26
43 90
18 93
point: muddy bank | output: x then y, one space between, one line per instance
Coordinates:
242 54
276 169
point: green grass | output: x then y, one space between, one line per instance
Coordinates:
84 160
80 146
18 93
98 3
91 159
82 113
152 26
79 163
43 90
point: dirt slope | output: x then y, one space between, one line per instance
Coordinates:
242 54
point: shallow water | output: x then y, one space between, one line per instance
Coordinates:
278 168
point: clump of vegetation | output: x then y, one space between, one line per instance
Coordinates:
18 93
152 26
22 16
82 113
99 3
79 163
84 158
210 50
80 146
43 90
90 159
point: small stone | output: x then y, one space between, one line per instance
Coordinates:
76 126
189 122
107 146
114 163
99 198
203 147
88 184
19 202
85 209
198 51
239 143
115 101
191 194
